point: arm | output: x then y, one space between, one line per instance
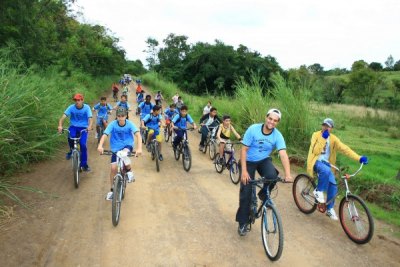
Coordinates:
100 146
235 133
317 143
243 161
219 133
286 165
89 128
346 150
60 122
138 137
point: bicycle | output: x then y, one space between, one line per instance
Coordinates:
271 222
155 151
119 186
211 142
229 163
143 134
168 133
354 215
76 156
183 148
115 96
100 127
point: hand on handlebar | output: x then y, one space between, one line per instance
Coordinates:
100 149
60 129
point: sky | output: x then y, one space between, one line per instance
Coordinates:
296 32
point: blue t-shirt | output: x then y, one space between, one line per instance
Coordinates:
121 136
102 111
152 121
124 105
262 145
181 121
169 114
145 108
79 117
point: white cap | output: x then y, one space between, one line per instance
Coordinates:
276 112
329 122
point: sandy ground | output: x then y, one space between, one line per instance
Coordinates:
170 218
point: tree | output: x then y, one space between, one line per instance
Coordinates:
376 66
152 52
363 83
359 65
396 66
389 63
316 68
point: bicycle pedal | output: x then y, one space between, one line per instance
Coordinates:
321 207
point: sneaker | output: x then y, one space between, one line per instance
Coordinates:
242 229
110 195
221 161
68 155
160 157
130 177
332 214
319 196
201 148
86 168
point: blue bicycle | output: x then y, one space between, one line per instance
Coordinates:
228 161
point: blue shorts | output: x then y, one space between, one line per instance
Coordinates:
114 156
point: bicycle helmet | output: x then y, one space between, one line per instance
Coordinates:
276 112
121 111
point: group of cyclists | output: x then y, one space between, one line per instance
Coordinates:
259 141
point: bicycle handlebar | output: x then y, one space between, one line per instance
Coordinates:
346 176
74 138
187 129
109 153
263 180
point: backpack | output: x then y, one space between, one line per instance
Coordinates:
152 116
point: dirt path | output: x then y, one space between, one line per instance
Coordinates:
171 218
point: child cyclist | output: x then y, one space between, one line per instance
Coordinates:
103 109
180 121
224 134
152 122
123 104
80 119
146 107
170 113
123 133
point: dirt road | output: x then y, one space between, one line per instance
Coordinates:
170 218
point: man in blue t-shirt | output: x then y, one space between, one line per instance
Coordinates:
80 119
180 121
152 123
146 107
102 108
259 141
123 133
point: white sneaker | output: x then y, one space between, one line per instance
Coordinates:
109 195
332 214
97 136
319 195
130 177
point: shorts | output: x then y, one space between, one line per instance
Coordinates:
159 137
225 141
114 156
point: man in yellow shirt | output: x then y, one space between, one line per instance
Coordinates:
321 154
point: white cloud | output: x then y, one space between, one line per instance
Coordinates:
332 33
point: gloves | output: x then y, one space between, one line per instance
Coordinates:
364 160
325 134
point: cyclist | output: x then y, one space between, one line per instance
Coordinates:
125 91
224 134
158 98
321 154
170 113
138 89
179 103
146 107
175 98
80 118
115 90
103 109
207 108
180 121
123 133
259 141
123 103
209 120
152 122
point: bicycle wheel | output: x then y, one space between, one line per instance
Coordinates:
75 167
173 134
144 135
356 219
124 185
117 198
177 152
212 150
166 135
303 187
152 151
234 172
186 158
218 166
272 233
207 143
157 154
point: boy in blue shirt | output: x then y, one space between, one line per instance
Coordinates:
170 113
153 122
180 121
259 141
80 118
123 104
103 109
123 133
146 107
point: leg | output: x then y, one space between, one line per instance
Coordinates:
204 133
221 148
84 155
324 172
332 191
113 172
243 212
178 137
266 169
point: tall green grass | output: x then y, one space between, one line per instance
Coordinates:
31 103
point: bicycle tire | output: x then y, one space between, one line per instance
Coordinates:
218 167
152 151
157 155
177 152
271 224
117 199
234 172
75 167
124 185
353 219
205 147
303 187
166 135
186 158
212 150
